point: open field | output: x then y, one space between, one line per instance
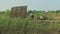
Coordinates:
29 26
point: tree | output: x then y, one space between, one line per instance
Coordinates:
30 11
57 11
7 12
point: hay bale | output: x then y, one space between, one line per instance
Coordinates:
19 11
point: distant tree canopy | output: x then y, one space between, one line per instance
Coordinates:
6 12
57 11
35 12
30 11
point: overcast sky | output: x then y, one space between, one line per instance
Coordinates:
32 4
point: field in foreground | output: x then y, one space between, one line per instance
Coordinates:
28 26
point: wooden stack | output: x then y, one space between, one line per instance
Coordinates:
19 11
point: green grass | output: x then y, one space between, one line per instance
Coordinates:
27 26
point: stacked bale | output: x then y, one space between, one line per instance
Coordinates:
19 11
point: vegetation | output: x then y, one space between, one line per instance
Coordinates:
30 26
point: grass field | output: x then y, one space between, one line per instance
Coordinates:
28 26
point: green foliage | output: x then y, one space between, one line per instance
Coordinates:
57 11
7 12
30 11
28 26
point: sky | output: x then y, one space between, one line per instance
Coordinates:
32 4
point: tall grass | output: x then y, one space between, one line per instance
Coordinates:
27 26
